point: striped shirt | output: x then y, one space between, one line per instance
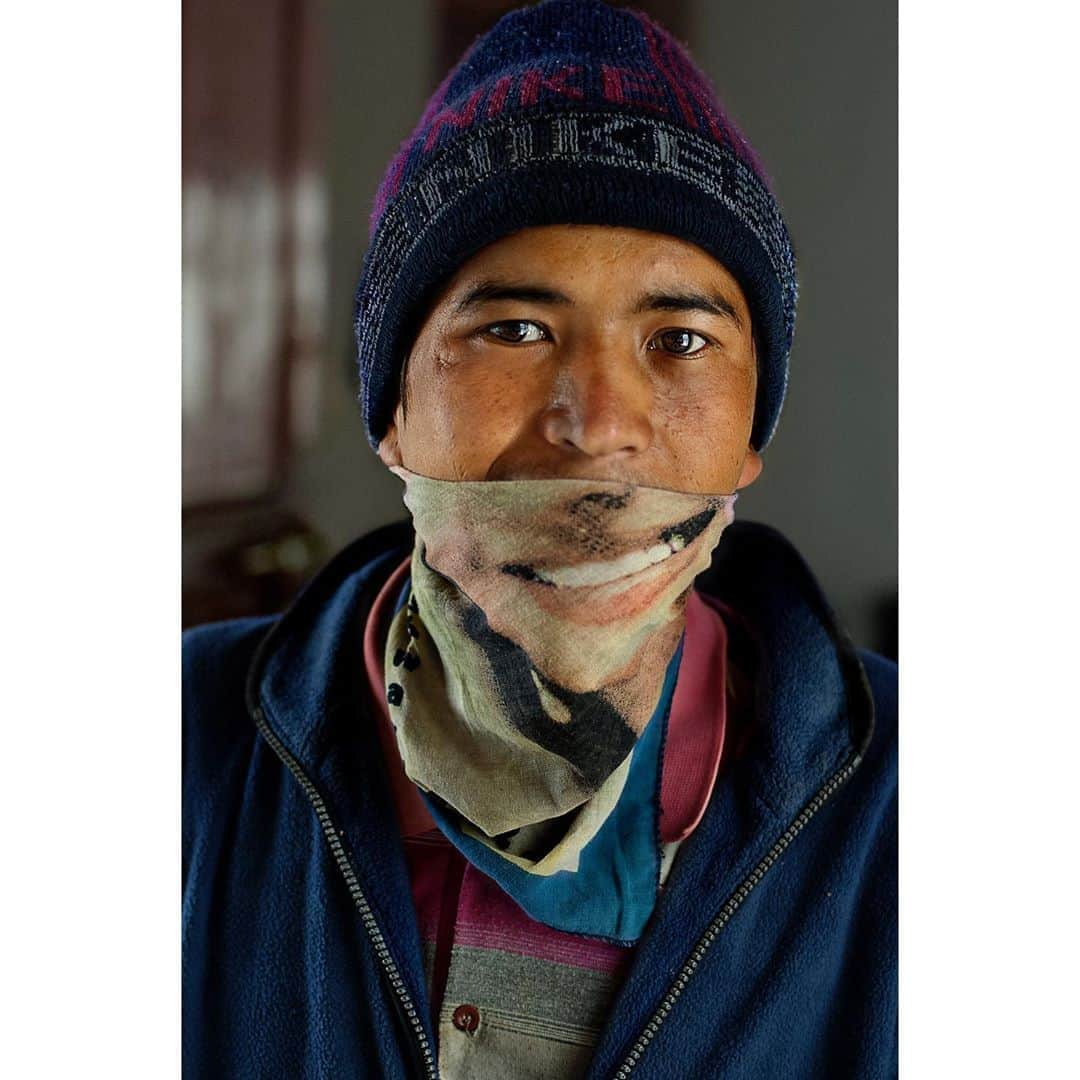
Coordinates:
509 995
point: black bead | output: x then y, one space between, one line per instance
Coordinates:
411 630
412 661
399 655
394 694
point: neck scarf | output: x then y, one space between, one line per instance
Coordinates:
529 670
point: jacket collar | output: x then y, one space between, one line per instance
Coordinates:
812 711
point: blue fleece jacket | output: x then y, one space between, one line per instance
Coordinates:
772 950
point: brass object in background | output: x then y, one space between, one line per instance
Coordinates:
245 559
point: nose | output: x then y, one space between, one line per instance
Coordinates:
601 406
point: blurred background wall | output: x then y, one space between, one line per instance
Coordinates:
292 109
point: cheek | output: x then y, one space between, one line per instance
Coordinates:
705 422
483 402
462 415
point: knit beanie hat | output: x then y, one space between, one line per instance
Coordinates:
570 112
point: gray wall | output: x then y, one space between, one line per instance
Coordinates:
813 86
381 73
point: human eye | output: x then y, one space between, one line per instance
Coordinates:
679 342
516 332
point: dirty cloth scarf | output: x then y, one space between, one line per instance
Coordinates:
530 667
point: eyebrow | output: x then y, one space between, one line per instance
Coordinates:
487 291
713 304
490 291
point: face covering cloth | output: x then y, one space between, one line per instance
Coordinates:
530 666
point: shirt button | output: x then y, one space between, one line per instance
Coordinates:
466 1018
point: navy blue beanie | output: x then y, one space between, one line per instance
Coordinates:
570 112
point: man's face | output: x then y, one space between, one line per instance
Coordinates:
583 351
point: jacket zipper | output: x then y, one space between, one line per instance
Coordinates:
728 910
333 836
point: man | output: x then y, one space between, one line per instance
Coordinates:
571 774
